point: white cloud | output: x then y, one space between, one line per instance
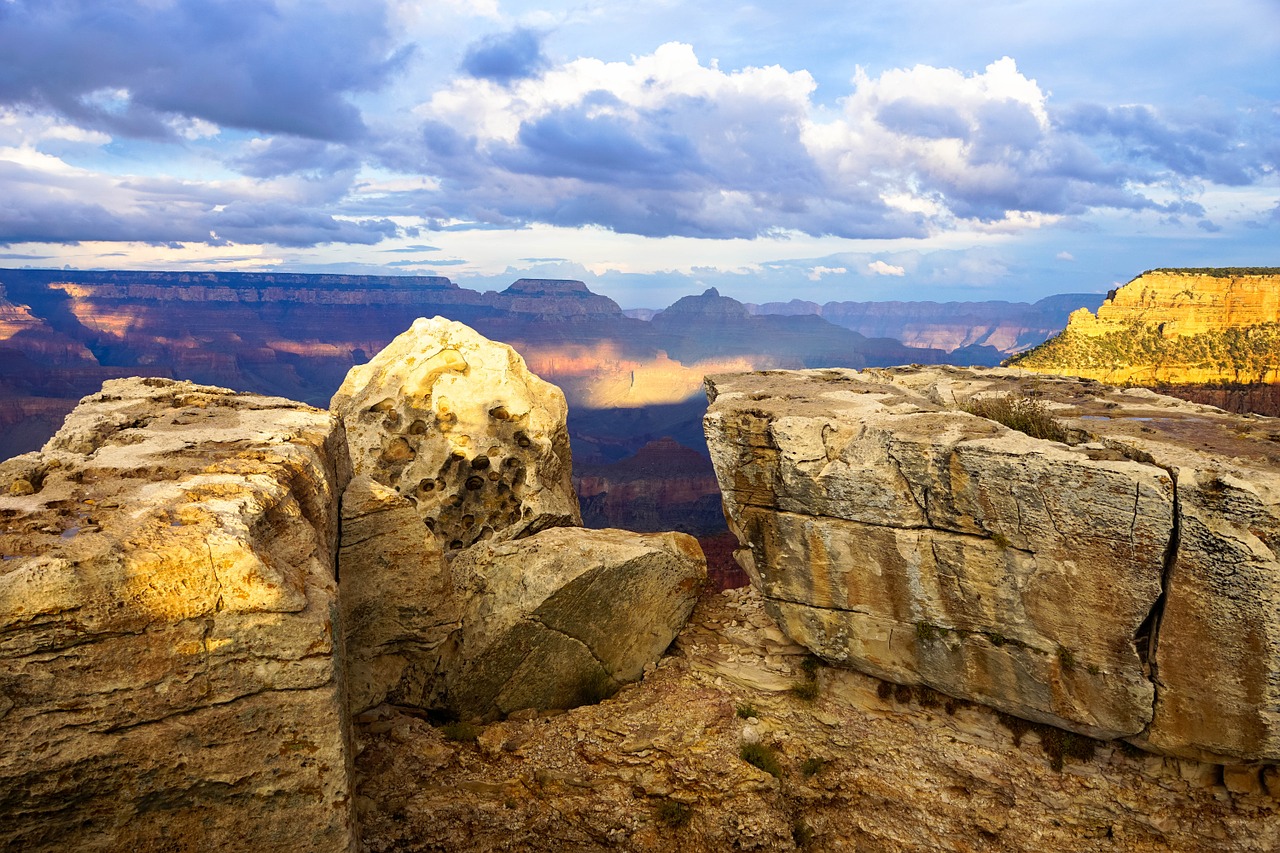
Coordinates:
1065 256
881 268
818 272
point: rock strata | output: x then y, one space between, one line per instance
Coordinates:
458 425
1123 583
567 616
169 673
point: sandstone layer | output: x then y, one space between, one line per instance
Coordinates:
567 616
169 674
1123 583
398 609
459 425
858 765
1174 327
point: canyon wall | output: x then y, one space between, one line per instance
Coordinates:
1119 579
1176 328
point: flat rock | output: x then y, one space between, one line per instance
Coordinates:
169 676
568 615
1120 583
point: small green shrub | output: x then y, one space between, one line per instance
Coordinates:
813 766
1019 413
884 690
801 833
762 757
1066 658
810 666
673 813
459 731
997 639
806 690
999 540
746 711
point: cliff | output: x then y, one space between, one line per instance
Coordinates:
1116 576
187 627
1174 327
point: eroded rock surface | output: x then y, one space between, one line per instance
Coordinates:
169 675
459 425
1124 584
861 765
398 607
568 616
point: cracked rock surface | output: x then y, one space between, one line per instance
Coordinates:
168 669
567 616
1123 583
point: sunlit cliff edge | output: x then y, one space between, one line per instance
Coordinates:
1176 328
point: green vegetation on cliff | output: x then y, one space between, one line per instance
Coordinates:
1216 272
1240 354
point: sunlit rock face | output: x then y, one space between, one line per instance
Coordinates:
458 424
568 616
169 671
1174 327
1121 584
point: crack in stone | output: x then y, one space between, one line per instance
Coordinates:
1146 638
533 617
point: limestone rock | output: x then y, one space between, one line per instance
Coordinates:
1074 584
458 424
398 609
568 615
169 676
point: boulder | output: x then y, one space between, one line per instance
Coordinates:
567 616
169 674
1081 583
398 607
457 424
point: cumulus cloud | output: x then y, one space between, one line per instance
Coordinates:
132 66
1064 256
816 273
881 268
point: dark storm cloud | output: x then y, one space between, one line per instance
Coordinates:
265 66
505 57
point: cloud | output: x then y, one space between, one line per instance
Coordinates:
505 57
149 69
1064 256
816 273
881 268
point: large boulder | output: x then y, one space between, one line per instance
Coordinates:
169 674
567 616
1080 583
458 424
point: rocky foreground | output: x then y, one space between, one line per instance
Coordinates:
237 622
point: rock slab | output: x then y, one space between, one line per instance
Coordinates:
1120 584
169 674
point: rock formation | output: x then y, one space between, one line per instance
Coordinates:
567 616
169 674
1122 582
460 425
1174 327
738 741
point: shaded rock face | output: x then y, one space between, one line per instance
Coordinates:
1123 585
567 616
168 667
458 424
398 608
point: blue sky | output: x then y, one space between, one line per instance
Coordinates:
814 150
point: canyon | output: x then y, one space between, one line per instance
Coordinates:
956 636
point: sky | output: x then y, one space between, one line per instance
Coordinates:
816 150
